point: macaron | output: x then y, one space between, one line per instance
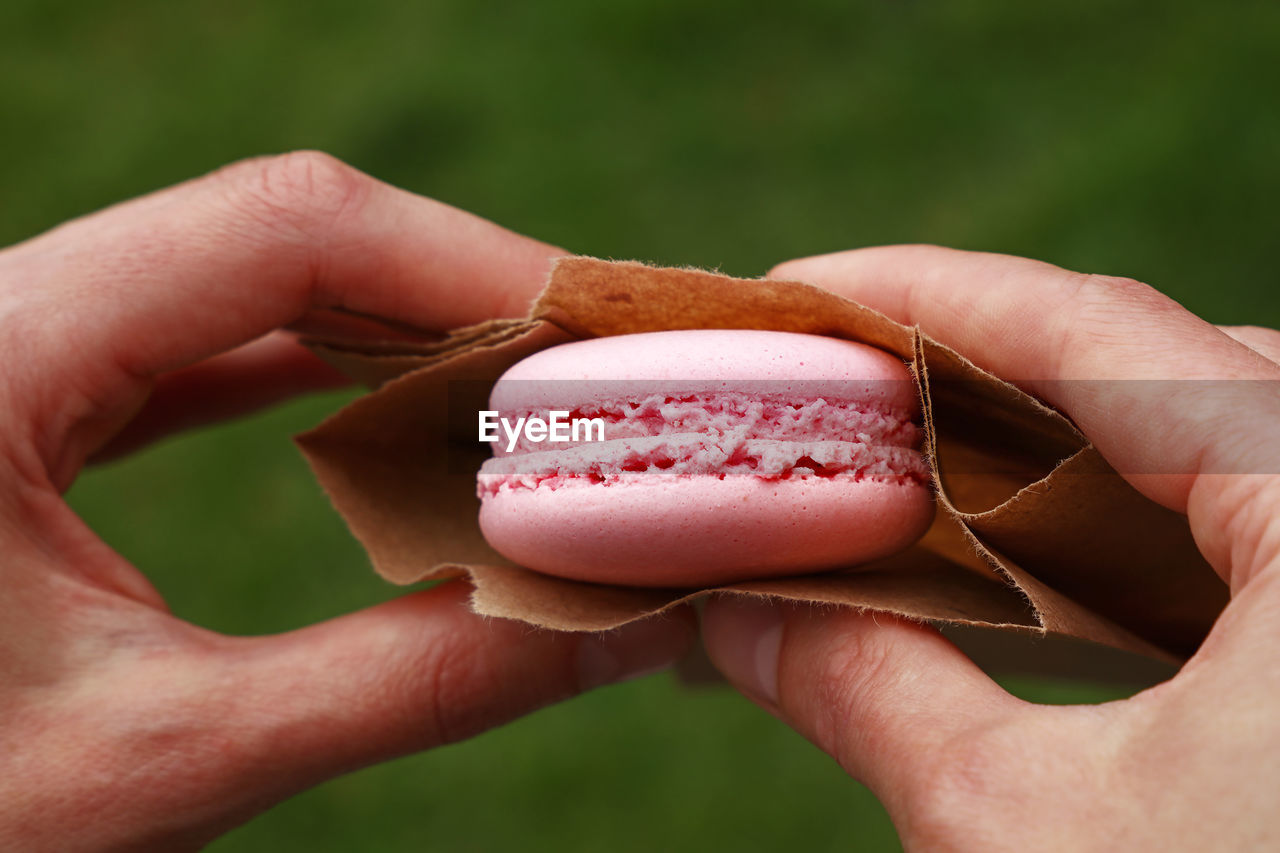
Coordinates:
695 458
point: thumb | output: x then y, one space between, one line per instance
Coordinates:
879 694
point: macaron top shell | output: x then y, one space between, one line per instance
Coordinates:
727 455
709 360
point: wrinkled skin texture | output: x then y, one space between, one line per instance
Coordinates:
961 765
123 727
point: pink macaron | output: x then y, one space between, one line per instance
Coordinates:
693 458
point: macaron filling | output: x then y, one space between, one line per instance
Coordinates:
716 434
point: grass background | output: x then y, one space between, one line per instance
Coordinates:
1104 136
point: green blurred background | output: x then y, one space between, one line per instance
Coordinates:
1118 137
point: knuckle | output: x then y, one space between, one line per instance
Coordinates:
1111 292
300 193
451 688
310 179
1093 310
852 672
1118 284
854 665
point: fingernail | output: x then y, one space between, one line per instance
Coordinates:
743 637
632 651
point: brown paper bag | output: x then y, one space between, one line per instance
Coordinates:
1035 535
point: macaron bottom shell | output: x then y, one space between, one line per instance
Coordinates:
651 530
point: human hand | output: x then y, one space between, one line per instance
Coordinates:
121 726
960 764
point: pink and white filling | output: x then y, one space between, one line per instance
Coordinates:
714 435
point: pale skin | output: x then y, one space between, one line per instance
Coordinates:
123 727
959 763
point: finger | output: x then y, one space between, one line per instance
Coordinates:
424 670
881 695
1265 342
104 303
1169 400
170 279
259 374
269 370
290 711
